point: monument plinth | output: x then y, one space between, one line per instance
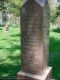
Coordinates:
34 41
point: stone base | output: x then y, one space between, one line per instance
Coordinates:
27 76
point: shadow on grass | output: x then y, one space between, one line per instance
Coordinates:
9 70
0 28
4 39
15 35
56 30
13 48
54 57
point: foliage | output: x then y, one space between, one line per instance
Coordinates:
54 49
55 14
58 10
11 6
53 17
15 6
4 8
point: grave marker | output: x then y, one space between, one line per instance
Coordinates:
34 41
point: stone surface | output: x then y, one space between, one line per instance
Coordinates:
40 2
34 38
34 28
58 22
46 75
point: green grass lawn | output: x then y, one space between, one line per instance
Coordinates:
9 52
54 49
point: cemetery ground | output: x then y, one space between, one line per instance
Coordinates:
10 49
9 52
54 52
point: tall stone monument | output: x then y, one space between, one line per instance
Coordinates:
34 41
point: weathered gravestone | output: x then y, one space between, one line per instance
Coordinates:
58 22
34 41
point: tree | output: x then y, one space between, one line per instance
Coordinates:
58 16
4 9
15 6
55 14
11 7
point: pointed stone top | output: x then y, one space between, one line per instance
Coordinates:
40 2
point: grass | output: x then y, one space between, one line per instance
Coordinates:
54 49
9 52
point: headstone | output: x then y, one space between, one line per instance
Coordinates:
34 41
6 28
58 22
1 18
